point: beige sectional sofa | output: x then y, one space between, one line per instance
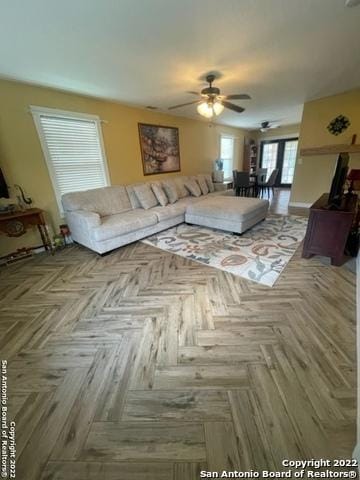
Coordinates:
103 219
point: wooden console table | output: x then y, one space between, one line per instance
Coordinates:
16 223
328 230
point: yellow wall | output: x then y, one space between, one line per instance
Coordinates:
22 160
313 175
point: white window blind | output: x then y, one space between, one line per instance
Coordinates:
227 154
73 149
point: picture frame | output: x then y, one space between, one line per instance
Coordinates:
160 149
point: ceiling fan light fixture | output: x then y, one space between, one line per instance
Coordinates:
205 109
212 103
218 107
209 109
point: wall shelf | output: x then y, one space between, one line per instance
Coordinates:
329 150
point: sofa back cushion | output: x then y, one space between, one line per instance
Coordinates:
180 186
159 194
104 201
145 195
193 187
209 182
202 184
171 191
132 196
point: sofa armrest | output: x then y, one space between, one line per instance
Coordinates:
83 219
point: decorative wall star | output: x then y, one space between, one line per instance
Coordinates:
338 125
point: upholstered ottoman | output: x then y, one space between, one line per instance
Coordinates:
234 214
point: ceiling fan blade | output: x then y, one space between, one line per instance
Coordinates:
239 96
194 93
184 104
232 106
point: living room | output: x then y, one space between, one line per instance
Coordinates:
182 320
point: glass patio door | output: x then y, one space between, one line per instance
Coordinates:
280 154
269 155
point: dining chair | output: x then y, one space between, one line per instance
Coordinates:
242 184
270 183
234 172
261 174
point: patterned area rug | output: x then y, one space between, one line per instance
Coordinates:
260 254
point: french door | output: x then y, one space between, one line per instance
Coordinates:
280 154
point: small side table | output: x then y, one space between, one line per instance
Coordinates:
16 223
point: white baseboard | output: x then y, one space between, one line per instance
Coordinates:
300 205
38 250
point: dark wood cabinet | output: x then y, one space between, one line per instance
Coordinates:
328 229
16 223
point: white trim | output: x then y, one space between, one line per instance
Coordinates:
356 454
279 137
62 113
36 113
300 204
229 135
233 138
36 117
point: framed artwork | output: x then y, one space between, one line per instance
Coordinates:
160 151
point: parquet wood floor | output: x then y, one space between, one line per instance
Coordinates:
143 365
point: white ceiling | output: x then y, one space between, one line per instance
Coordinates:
150 52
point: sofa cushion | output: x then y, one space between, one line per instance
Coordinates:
189 200
145 195
171 191
223 193
202 184
234 209
104 201
209 182
180 186
132 195
171 211
159 194
123 223
193 187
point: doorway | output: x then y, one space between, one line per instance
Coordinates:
281 154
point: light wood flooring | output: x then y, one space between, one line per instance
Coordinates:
144 365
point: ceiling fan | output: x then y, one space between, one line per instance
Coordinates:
212 103
265 126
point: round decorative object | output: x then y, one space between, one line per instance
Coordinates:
338 125
14 228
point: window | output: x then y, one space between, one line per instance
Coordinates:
280 154
288 168
269 157
227 154
73 149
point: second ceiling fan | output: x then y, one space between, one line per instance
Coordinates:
266 125
212 103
